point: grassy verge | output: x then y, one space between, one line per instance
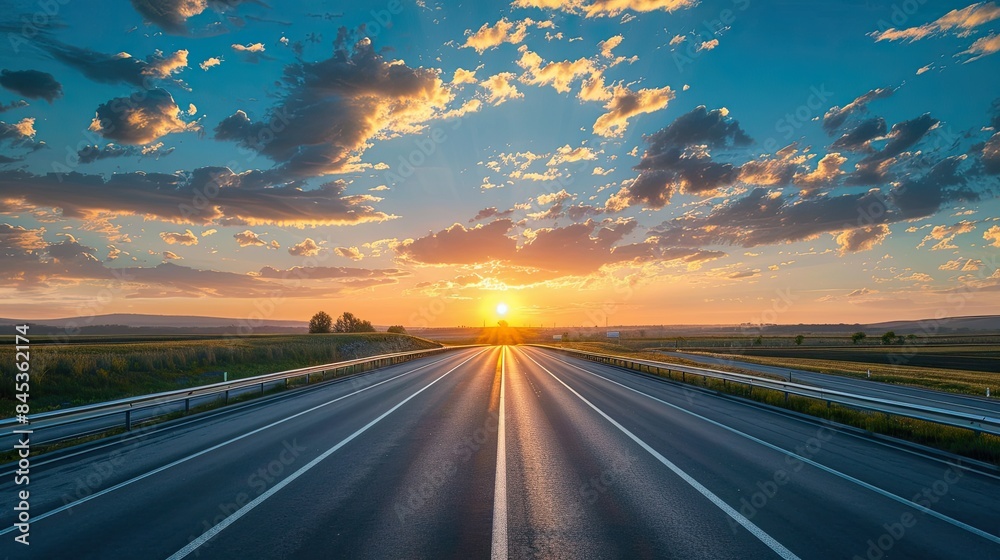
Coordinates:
982 447
66 375
950 380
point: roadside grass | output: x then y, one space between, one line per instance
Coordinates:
950 380
960 441
66 375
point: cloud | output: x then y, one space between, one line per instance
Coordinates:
827 171
500 88
708 45
90 154
609 45
463 76
331 273
992 235
248 238
862 238
13 105
836 116
249 48
607 8
32 84
559 75
873 168
984 46
171 256
959 20
945 235
164 66
459 245
186 238
501 32
119 68
334 107
677 159
140 119
209 195
962 265
20 134
307 248
490 212
859 138
625 104
352 253
171 15
210 62
991 155
566 154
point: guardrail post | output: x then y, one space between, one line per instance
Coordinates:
262 388
307 379
187 406
128 420
227 396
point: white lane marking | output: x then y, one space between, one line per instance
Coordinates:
219 527
121 485
847 477
499 548
756 531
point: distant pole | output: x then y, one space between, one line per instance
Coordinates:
225 376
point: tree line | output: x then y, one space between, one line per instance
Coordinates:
347 323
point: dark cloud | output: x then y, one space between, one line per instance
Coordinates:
172 15
490 212
918 197
837 116
13 105
141 118
859 138
90 154
205 196
676 159
991 155
874 168
333 107
119 68
32 84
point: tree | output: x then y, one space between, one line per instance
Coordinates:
888 337
857 337
320 323
502 324
398 329
349 323
799 340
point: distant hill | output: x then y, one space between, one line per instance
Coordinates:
948 324
134 323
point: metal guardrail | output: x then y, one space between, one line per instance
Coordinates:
127 407
977 423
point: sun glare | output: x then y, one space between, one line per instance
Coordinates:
501 308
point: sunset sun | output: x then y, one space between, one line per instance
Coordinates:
501 309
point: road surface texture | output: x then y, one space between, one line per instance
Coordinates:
502 452
915 395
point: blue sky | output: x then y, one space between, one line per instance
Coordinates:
650 162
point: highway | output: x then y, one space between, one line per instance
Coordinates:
915 395
501 452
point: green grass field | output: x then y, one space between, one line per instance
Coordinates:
64 375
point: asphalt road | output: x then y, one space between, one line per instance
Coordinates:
914 395
502 452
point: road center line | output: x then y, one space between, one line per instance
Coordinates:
756 531
499 548
121 485
847 477
218 528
